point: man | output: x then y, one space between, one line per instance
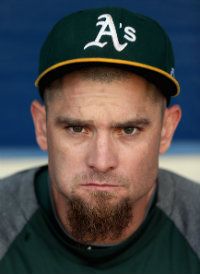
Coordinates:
102 205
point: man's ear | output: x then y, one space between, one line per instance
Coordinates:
39 119
171 120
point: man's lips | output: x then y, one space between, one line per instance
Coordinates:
100 185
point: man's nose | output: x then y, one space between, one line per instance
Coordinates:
102 155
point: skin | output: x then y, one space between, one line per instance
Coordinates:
113 129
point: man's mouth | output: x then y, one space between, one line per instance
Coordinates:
100 186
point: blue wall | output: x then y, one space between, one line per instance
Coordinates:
24 25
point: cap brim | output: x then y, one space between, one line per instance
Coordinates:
163 80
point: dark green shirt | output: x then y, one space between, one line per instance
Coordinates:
35 243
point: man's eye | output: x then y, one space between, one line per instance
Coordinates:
76 129
129 130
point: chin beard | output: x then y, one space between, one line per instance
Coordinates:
99 221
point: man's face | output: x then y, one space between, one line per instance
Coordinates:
103 140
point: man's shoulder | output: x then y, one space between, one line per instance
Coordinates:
178 198
17 178
19 187
180 189
18 203
177 184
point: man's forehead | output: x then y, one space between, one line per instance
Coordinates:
112 106
108 83
101 84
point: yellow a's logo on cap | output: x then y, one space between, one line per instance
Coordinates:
108 29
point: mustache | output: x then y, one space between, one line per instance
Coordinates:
95 176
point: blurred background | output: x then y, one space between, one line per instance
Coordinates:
23 27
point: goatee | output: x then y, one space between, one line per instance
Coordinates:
99 221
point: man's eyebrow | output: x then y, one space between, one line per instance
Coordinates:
71 121
138 122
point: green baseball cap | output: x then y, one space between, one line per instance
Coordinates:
112 36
